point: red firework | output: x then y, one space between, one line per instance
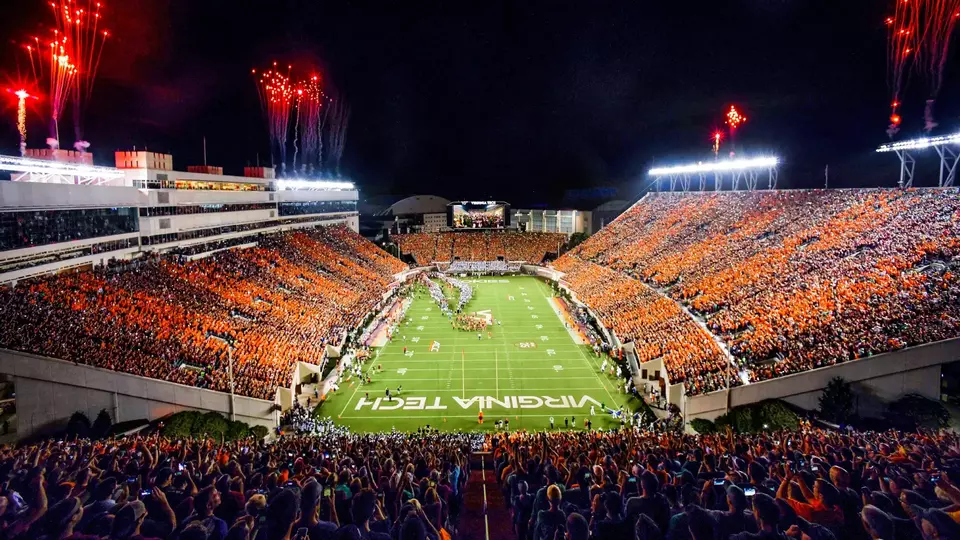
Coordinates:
310 119
734 119
918 35
69 59
277 98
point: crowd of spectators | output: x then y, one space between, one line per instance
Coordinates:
331 485
800 279
482 267
530 247
658 327
807 484
628 484
473 246
422 246
276 304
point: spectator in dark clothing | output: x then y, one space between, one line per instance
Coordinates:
651 503
613 525
310 501
281 513
646 529
364 506
549 521
767 514
734 519
877 523
204 506
102 502
59 521
577 527
522 510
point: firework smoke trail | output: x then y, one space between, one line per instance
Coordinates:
296 129
310 105
339 120
321 126
940 19
57 67
276 99
83 40
903 34
22 96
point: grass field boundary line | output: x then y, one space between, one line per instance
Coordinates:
539 368
567 391
565 356
349 401
586 360
472 416
402 379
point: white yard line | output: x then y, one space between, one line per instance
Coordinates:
582 355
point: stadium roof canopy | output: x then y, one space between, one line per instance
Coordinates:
417 204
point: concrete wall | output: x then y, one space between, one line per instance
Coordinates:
877 380
32 195
50 390
308 196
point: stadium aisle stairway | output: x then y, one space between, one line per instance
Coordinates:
472 525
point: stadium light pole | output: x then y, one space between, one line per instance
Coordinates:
229 344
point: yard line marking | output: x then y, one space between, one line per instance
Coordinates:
473 416
553 360
434 379
496 371
355 390
463 372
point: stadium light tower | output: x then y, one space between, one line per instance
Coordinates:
738 169
946 148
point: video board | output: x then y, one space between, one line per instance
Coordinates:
478 215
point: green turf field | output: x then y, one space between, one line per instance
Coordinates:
529 370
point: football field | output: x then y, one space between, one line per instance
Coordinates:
526 369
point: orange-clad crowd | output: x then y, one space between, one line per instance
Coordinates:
480 246
794 280
657 326
279 303
469 246
422 246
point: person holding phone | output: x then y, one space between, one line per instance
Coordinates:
312 496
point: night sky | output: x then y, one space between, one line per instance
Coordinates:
514 100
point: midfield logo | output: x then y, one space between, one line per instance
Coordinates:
418 403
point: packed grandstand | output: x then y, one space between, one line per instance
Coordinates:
788 280
530 247
278 303
776 282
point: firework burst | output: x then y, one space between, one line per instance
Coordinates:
277 96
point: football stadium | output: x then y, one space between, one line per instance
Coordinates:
530 300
